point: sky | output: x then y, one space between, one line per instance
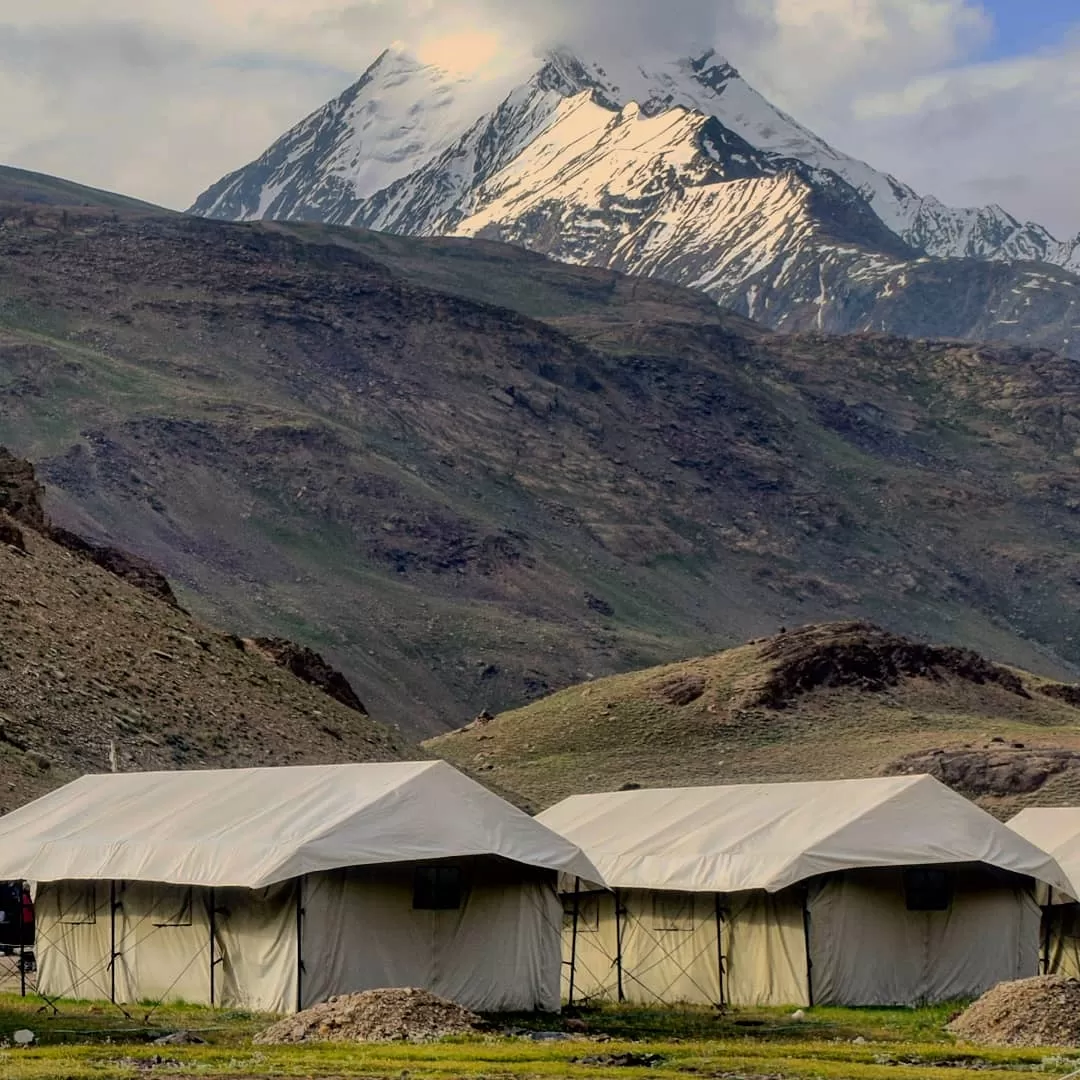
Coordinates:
973 101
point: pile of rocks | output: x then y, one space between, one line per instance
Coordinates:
1044 1011
408 1015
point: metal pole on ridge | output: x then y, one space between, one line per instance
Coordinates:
573 939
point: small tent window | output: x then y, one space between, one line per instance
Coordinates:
928 889
171 906
76 903
588 912
437 888
673 911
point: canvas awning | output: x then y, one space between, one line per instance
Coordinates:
255 827
771 836
1057 831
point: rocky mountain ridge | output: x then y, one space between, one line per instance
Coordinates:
467 474
678 170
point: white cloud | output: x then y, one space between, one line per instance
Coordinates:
159 99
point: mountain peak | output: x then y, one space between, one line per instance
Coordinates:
414 147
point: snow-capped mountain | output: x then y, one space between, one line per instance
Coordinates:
679 170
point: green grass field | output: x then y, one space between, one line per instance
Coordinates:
97 1041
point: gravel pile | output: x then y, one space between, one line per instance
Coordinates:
375 1016
1043 1011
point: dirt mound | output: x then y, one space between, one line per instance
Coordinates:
1044 1011
859 654
308 665
999 771
375 1016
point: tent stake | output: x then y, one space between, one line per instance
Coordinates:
618 947
573 939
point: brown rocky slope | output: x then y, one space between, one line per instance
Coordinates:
828 701
94 670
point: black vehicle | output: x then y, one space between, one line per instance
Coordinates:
16 920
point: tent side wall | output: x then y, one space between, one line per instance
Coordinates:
670 953
161 936
765 948
1061 940
867 948
498 951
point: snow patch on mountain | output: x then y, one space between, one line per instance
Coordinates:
711 85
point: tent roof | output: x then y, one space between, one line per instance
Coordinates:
255 827
1057 831
770 836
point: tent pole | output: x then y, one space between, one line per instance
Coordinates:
213 958
573 939
1046 914
300 944
809 958
720 948
22 944
112 941
618 946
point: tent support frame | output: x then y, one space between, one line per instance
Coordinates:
619 912
300 944
573 938
809 957
1045 914
720 961
113 954
212 913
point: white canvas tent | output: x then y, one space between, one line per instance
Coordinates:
859 892
273 889
1057 831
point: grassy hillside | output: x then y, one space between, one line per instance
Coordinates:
90 665
825 702
20 186
470 476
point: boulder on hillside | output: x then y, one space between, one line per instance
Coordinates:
308 665
22 499
122 564
864 656
994 770
20 493
11 534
